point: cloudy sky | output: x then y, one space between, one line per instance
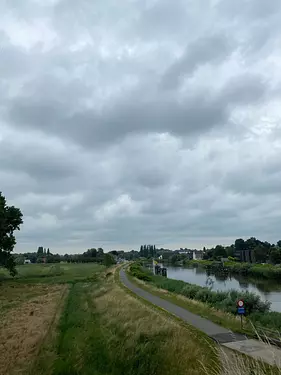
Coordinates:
141 121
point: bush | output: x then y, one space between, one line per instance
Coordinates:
226 301
137 271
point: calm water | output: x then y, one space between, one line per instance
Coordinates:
267 289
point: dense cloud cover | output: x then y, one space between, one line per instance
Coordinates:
132 121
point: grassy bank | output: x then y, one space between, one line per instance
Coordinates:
87 324
267 271
232 363
114 333
220 307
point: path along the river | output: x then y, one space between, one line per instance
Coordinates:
253 348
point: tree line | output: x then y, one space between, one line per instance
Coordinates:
148 251
262 251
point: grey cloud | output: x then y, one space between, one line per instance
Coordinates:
35 163
136 113
252 9
195 115
205 50
162 20
13 61
101 144
245 89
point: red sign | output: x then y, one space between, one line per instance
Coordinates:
240 303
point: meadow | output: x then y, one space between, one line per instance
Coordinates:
52 273
77 319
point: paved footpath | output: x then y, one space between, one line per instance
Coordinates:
221 335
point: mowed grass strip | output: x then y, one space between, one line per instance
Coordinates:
104 330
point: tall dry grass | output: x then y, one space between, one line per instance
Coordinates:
233 363
104 330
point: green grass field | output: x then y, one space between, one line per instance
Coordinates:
75 319
53 273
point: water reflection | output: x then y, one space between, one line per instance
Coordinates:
267 289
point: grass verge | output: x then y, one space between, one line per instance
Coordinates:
232 362
104 330
219 307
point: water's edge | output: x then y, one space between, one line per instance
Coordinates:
267 289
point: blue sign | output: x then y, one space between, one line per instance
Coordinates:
241 310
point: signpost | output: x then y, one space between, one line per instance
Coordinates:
241 310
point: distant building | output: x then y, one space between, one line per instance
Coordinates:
246 256
27 261
194 254
197 255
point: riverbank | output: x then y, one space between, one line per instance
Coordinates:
256 354
267 271
220 307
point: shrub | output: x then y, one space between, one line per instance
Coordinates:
137 271
256 309
221 300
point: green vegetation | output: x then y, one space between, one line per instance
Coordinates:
45 256
75 319
225 302
53 273
108 260
148 251
267 271
139 272
113 333
10 221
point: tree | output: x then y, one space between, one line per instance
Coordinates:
19 259
100 252
48 251
145 251
239 244
230 251
275 255
108 260
10 221
40 250
90 253
251 243
220 251
260 253
175 258
279 243
114 252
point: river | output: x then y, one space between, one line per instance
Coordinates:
267 289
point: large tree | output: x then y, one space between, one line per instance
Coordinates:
275 255
10 221
220 251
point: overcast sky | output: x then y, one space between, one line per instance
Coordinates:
125 122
